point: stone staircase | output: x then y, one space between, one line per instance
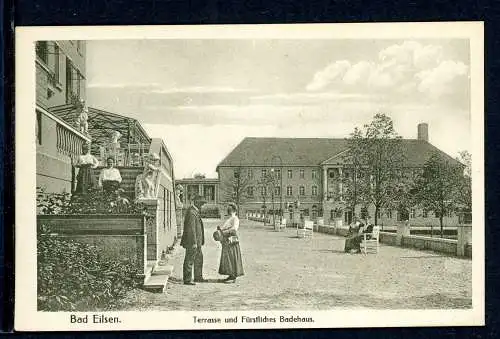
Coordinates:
156 272
156 276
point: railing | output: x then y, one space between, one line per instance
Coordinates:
68 142
132 155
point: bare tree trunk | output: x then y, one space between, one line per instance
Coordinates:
441 223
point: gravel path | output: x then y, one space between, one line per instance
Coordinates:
285 272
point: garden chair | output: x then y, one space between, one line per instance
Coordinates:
370 241
307 230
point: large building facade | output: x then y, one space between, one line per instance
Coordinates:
60 79
308 176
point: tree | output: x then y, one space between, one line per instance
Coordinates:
464 191
266 186
236 189
377 155
437 185
199 176
353 184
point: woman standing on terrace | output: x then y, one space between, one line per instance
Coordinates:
110 178
86 164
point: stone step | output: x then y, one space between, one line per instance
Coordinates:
156 283
149 269
163 270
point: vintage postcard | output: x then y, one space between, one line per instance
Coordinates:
249 176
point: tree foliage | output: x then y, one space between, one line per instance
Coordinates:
436 188
464 191
236 188
376 153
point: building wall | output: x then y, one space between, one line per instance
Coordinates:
54 94
53 169
254 203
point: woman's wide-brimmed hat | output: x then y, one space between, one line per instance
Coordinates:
218 235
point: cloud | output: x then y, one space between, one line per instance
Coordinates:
405 68
201 89
328 75
151 85
439 80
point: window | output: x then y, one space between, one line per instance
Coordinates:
277 191
314 174
412 213
250 173
57 66
332 214
331 174
236 173
278 173
69 81
301 174
425 214
379 214
264 173
289 174
39 127
302 190
314 190
42 51
250 191
289 191
263 191
79 46
389 214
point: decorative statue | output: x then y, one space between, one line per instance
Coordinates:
146 183
113 141
178 199
82 120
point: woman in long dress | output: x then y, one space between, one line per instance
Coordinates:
86 164
230 260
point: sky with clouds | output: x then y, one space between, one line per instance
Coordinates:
204 96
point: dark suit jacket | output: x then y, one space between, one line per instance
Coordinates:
194 232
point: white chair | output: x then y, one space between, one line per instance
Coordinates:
370 241
283 223
307 230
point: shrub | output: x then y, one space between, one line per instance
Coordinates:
94 202
73 276
210 211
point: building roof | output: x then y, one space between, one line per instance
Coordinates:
101 123
197 181
313 152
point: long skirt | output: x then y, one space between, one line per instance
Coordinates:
85 179
230 260
353 243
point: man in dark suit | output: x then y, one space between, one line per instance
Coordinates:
193 238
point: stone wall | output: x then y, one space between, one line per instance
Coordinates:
120 237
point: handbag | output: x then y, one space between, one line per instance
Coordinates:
217 235
233 239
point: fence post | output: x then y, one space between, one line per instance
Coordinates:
402 231
464 237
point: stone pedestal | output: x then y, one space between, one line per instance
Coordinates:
402 231
153 248
464 237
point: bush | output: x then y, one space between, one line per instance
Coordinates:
94 202
210 211
73 276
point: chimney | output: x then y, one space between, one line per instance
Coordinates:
423 132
